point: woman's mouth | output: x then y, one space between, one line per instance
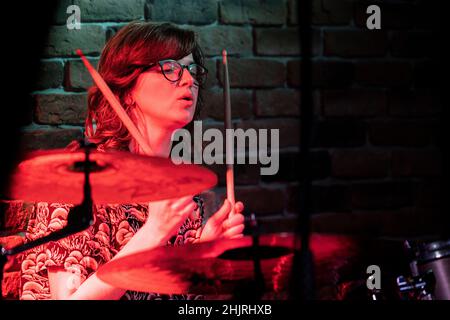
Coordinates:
187 97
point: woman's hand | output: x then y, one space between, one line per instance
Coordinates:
219 225
167 216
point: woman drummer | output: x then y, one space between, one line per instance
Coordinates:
156 71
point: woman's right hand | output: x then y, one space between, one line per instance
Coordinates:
166 216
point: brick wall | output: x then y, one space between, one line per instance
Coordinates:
377 115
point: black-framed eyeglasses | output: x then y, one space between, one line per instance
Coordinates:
173 70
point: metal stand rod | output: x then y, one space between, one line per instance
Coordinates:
303 286
252 289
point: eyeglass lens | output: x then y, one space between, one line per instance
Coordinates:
173 71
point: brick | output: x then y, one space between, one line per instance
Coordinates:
292 12
60 14
241 104
61 108
288 129
280 42
408 163
330 198
212 79
77 76
256 12
244 174
353 43
50 75
63 42
330 12
400 133
288 169
381 195
236 40
324 198
414 103
354 102
111 31
428 193
293 73
254 73
382 73
260 200
213 124
110 10
339 133
393 15
182 12
49 138
324 73
277 102
348 163
413 44
291 164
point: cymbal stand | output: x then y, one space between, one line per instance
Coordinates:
253 289
79 218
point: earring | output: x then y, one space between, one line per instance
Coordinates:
130 102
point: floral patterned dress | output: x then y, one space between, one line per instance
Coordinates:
84 252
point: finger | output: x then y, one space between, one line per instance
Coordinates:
233 221
187 210
236 230
222 213
239 207
182 202
238 236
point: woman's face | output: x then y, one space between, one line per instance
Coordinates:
171 104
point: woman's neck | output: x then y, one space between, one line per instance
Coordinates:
157 136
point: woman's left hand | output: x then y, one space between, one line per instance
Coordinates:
220 225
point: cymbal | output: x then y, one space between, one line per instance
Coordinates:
219 267
117 177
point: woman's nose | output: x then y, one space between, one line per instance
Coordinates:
187 78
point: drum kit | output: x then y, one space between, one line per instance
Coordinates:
257 266
226 268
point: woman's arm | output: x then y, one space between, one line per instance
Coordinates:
164 220
65 285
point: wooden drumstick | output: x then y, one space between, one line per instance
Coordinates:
115 104
229 142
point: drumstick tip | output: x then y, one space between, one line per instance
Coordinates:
224 56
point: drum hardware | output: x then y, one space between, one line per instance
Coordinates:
227 267
430 271
100 177
254 288
417 287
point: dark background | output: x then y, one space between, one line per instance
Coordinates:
379 146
